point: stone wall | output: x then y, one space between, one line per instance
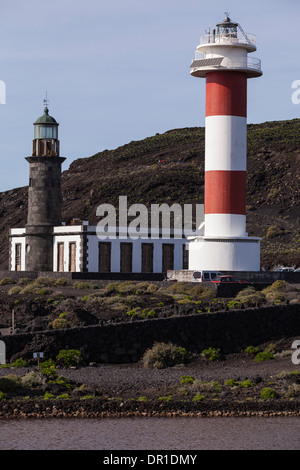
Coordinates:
126 342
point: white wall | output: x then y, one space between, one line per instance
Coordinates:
92 258
66 239
225 255
14 242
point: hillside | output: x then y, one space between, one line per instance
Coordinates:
132 170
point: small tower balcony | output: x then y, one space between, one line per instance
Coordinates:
204 63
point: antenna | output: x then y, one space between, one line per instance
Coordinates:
46 101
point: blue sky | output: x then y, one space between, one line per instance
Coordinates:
118 70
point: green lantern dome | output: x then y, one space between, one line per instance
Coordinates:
46 119
46 127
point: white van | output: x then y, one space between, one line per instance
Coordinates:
205 276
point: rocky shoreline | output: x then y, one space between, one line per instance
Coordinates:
98 408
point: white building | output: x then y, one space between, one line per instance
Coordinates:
77 248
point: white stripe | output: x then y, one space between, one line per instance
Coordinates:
225 143
225 225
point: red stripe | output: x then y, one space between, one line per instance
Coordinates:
226 94
225 192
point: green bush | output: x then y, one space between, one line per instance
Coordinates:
267 393
231 383
212 354
250 297
48 396
7 280
44 281
62 281
199 397
252 350
3 396
264 356
69 357
246 384
10 383
48 369
187 379
19 363
30 380
60 323
63 396
163 355
14 290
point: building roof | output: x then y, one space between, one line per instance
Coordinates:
46 119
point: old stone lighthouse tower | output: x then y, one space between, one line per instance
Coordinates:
44 194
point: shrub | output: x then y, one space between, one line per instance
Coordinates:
111 287
211 354
252 350
250 296
69 357
32 379
48 396
60 323
44 281
6 280
267 393
3 396
293 390
231 383
63 396
10 383
163 355
167 398
23 281
19 363
62 281
274 231
14 290
187 379
199 397
48 369
81 285
246 383
45 291
30 289
264 356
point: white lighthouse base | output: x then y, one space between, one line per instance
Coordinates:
224 254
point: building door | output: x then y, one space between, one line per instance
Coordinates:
60 257
147 257
126 258
18 252
104 257
72 257
167 257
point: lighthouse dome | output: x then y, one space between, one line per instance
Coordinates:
46 119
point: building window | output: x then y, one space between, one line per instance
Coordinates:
126 258
167 257
147 257
72 257
104 257
185 257
18 251
60 257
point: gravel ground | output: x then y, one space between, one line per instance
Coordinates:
130 380
117 379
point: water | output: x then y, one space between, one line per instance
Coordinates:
230 433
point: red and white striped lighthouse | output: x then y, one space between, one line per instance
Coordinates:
223 60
